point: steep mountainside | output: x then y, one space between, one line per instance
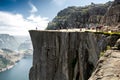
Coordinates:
7 41
75 17
69 54
4 60
25 45
8 58
108 67
25 48
63 55
112 17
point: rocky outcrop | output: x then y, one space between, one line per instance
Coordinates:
105 41
117 45
108 67
63 55
76 17
112 17
89 16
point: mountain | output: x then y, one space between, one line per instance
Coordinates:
25 48
25 45
21 39
112 16
4 60
75 17
8 58
8 42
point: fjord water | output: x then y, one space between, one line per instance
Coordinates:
19 72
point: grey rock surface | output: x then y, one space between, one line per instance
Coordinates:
63 55
112 16
77 17
108 67
118 44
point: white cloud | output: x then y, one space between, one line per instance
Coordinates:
59 2
33 8
16 24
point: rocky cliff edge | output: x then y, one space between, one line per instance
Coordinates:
63 55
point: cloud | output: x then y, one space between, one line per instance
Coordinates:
16 24
59 2
34 9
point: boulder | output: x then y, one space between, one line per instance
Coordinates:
118 44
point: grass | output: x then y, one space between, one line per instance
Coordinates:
109 33
108 47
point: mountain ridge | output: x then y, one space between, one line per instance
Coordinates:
88 16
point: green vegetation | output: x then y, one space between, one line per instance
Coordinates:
51 25
108 47
84 11
102 54
4 62
7 50
112 33
109 34
84 15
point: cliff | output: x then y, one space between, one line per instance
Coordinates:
108 67
76 17
93 15
63 55
112 16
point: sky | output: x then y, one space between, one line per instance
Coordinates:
19 16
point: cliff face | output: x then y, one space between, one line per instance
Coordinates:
89 16
75 17
112 16
63 55
108 67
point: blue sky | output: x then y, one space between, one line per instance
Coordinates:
18 16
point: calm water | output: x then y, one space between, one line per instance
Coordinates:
19 72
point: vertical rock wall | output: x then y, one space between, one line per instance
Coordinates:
112 16
63 55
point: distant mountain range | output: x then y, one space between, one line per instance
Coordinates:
15 42
12 49
25 45
9 42
8 58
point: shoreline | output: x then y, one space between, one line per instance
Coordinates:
15 63
7 68
11 66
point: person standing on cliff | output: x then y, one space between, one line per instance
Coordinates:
36 28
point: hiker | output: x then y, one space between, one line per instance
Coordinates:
36 28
